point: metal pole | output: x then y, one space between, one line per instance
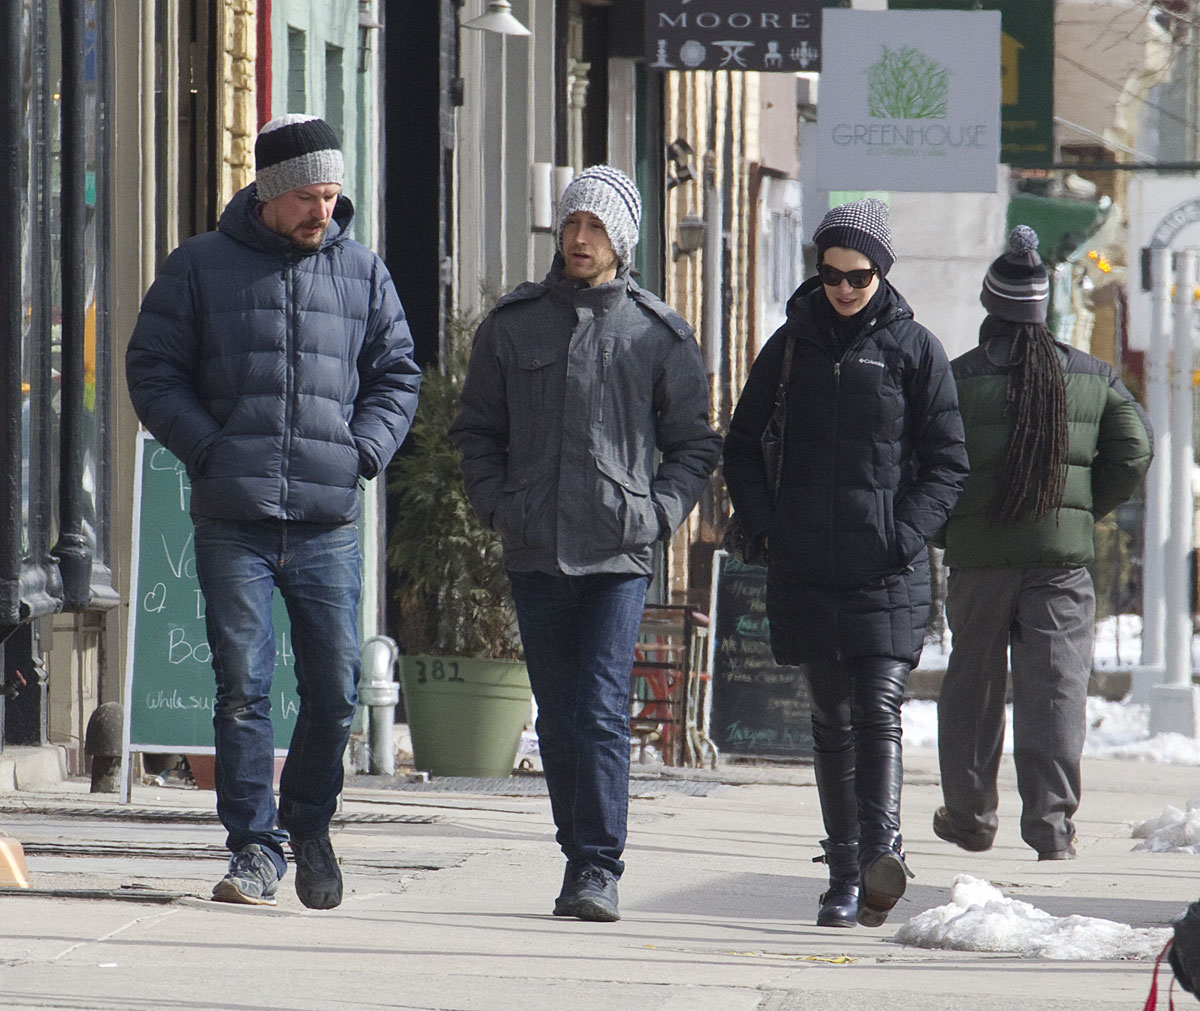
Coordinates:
1158 482
1173 705
714 216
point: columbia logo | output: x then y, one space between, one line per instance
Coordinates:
871 361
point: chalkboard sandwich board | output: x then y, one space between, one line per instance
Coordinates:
759 709
169 683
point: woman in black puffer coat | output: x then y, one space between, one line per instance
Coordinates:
873 461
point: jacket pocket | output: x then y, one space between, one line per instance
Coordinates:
535 378
626 518
508 519
887 555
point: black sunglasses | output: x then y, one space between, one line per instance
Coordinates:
857 278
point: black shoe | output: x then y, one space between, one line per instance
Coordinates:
566 896
973 842
318 877
252 878
1067 854
593 896
884 879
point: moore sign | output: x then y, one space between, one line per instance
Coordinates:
733 35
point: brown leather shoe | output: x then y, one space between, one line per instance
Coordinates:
973 842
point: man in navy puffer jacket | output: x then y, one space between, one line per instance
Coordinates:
272 357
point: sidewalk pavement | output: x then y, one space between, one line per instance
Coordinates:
449 889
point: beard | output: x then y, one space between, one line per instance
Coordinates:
591 270
306 241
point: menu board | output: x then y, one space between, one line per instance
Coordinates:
758 707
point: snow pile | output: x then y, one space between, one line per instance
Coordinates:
1173 831
1114 730
979 918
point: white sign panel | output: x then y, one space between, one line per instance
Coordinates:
910 100
1162 210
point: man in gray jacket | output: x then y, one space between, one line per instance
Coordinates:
574 385
272 357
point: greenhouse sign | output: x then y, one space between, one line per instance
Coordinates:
910 100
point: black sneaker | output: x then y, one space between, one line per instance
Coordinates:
566 896
252 878
318 877
593 897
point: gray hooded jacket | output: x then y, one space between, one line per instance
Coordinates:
570 391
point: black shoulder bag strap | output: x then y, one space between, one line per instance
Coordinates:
772 437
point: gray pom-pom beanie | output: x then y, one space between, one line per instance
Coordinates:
1017 286
294 151
609 194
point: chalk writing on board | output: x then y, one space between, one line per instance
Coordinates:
170 685
759 707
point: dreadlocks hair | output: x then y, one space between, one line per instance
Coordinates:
1035 459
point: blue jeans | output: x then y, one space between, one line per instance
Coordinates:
579 633
319 574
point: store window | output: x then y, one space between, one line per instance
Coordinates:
57 557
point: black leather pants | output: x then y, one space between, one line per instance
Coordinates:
856 733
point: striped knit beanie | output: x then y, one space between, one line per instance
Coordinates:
294 151
1016 286
862 226
609 194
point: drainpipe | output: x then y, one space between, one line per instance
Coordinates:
379 692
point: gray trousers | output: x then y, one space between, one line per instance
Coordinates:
1044 619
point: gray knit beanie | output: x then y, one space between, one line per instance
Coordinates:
609 194
862 226
294 151
1017 286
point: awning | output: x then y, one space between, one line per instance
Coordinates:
1063 224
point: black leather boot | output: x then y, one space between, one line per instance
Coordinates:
839 811
883 878
839 905
877 688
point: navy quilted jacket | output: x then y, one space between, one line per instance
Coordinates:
873 462
278 376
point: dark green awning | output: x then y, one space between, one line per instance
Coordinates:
1063 224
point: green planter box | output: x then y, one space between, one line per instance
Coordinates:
465 714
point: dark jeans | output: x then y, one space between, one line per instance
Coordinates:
319 574
579 634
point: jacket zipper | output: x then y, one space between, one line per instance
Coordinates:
289 291
837 394
605 361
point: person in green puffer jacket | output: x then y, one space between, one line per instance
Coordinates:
1055 442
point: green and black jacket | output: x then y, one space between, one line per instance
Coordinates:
1111 446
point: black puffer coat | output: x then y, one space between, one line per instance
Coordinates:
874 460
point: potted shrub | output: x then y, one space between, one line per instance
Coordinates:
466 692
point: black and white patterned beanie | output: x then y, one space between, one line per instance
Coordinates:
1017 286
862 226
294 151
609 194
